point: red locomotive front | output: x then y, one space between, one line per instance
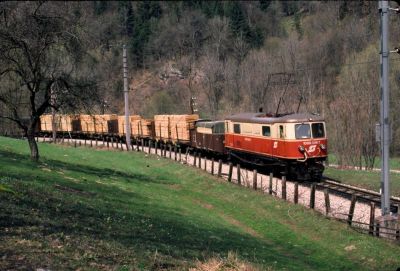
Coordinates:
295 141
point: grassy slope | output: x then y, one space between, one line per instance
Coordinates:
101 210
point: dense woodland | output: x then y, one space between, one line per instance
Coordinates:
233 56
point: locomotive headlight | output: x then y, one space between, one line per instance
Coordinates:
301 148
322 146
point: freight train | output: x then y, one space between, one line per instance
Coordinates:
296 144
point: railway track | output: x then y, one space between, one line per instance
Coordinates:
362 194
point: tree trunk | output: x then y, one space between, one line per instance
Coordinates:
33 146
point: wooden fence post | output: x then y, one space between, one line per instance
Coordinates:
194 159
219 168
150 146
80 143
180 155
255 179
377 229
372 218
199 165
271 177
327 202
296 193
186 155
108 143
75 143
312 196
97 143
284 187
212 166
170 151
351 211
398 223
205 163
230 172
85 141
176 158
156 147
239 181
142 142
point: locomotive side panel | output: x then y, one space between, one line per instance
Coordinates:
275 140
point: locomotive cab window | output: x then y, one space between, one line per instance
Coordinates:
266 131
236 128
281 133
302 131
318 130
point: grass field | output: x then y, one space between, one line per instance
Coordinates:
107 210
365 179
394 162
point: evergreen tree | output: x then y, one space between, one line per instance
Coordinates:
264 4
126 17
146 10
100 7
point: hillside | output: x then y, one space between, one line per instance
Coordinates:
233 56
108 210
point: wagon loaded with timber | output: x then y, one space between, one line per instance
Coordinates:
140 127
174 128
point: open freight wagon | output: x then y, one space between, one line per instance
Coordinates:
139 127
174 128
63 123
99 124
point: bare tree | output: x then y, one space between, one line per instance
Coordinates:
40 51
214 81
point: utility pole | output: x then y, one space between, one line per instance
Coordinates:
126 96
384 102
53 114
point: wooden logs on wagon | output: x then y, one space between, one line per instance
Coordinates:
62 122
174 127
139 126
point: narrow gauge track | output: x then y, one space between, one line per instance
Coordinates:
362 194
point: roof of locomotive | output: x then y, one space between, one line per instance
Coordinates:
269 118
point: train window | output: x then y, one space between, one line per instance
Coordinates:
318 130
302 131
281 135
266 131
236 128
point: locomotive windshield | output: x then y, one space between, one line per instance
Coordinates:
302 131
318 130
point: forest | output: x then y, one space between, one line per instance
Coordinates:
232 56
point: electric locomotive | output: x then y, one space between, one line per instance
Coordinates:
296 143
